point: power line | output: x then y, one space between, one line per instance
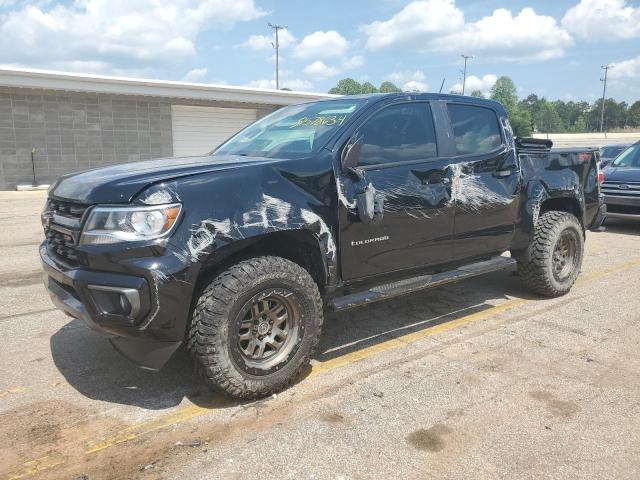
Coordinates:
606 69
464 73
276 45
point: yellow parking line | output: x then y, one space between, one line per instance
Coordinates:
410 338
134 431
193 411
35 466
12 391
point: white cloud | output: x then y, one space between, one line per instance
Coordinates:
353 62
415 86
114 34
266 42
195 75
527 36
319 70
293 84
473 82
417 23
321 45
603 20
627 69
409 81
439 26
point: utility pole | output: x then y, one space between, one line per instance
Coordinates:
464 73
606 69
276 45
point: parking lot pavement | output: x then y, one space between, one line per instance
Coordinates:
472 380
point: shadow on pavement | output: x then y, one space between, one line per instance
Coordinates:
623 226
97 371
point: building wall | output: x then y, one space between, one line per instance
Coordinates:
73 131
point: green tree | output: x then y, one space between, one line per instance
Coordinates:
548 120
347 86
478 94
633 115
368 87
388 87
505 92
615 115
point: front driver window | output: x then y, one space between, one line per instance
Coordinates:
399 133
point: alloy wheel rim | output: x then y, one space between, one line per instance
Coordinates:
268 330
564 258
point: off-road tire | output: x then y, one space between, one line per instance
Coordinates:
211 338
536 263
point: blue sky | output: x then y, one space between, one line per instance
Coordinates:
552 48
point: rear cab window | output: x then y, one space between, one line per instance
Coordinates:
476 130
399 133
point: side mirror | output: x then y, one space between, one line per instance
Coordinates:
351 155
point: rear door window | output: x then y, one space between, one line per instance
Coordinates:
399 133
475 129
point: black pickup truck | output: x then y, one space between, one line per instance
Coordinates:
325 205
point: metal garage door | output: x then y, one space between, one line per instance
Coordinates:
198 130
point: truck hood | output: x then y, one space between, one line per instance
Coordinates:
625 174
120 183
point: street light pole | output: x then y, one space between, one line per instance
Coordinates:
464 73
604 93
276 45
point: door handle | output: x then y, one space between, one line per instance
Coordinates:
503 173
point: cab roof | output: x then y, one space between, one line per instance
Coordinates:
377 97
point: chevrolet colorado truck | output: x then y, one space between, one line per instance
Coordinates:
327 205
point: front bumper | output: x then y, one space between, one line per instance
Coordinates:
623 205
87 295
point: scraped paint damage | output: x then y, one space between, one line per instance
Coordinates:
269 215
469 191
312 219
202 238
271 210
162 194
159 277
423 199
349 205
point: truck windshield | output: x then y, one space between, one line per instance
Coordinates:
629 158
292 132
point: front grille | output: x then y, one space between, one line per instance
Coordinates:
621 189
61 245
63 221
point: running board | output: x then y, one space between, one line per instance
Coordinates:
409 285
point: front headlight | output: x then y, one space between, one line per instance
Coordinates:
129 224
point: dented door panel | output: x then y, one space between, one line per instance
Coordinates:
486 193
416 226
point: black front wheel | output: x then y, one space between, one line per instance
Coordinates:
255 327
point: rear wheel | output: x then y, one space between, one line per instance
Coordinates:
255 327
552 262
